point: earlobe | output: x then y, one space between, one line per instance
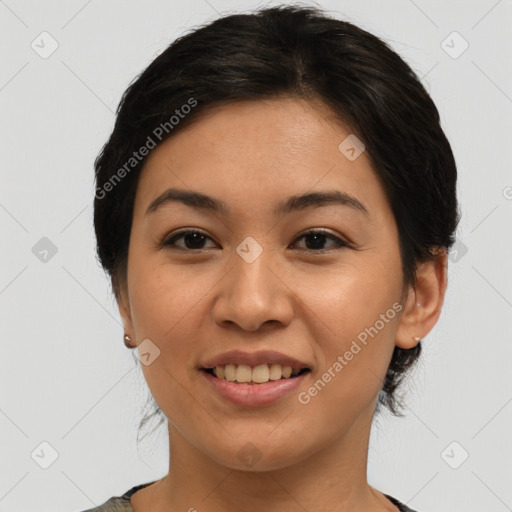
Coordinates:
424 302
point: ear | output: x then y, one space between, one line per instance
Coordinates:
424 301
123 303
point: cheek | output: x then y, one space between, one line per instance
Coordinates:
170 308
351 297
353 303
353 357
163 299
166 309
356 314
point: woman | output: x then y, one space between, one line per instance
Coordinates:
274 209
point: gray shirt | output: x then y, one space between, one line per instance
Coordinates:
122 503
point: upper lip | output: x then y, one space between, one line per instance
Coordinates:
253 359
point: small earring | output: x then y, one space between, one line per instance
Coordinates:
127 340
416 339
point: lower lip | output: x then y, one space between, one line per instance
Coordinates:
254 395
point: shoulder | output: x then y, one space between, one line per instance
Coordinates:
399 505
114 504
119 503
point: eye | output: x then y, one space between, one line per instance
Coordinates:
317 239
193 240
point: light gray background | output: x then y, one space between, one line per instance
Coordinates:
66 377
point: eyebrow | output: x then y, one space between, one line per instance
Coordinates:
291 204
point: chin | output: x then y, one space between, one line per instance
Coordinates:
259 456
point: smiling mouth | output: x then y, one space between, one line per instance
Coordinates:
260 374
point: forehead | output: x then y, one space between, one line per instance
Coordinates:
256 153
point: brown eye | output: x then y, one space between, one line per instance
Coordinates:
193 240
317 239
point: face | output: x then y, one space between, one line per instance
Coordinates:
319 281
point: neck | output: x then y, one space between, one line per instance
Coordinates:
333 478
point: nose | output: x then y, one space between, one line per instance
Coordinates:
254 294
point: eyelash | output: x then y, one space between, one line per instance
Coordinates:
170 242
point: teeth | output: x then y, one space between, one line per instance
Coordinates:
243 373
276 372
259 374
229 372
